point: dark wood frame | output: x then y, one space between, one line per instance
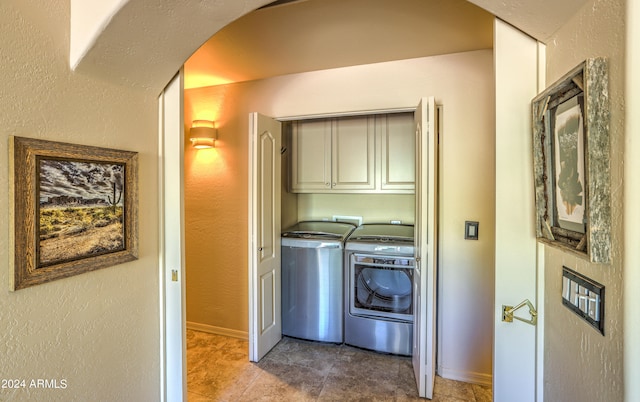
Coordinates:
589 80
24 209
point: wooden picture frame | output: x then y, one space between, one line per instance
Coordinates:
571 154
73 209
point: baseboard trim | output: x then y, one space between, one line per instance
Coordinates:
234 333
465 376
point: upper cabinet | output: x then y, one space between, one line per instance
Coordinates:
311 156
397 147
359 154
353 154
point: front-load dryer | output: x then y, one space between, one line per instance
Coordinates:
379 267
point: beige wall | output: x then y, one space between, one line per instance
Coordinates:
581 364
216 205
216 213
373 208
99 330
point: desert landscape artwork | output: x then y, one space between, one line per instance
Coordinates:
80 209
73 209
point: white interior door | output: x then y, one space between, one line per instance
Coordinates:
265 324
424 340
516 76
172 302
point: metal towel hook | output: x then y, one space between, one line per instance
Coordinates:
507 313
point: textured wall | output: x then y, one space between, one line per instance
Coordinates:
99 330
581 364
216 207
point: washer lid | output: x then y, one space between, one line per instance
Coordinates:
319 229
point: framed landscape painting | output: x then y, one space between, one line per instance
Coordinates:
73 209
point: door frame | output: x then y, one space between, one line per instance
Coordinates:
517 352
171 257
171 377
436 129
542 63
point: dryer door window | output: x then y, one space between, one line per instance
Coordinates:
381 287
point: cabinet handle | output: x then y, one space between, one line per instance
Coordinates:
333 185
327 184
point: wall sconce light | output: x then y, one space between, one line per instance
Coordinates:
203 134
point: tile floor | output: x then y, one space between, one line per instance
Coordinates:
218 369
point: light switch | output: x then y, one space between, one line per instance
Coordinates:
583 296
471 230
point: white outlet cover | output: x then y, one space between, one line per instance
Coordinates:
357 220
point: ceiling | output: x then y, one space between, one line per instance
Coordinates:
306 35
142 43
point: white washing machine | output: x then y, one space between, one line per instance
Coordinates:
379 267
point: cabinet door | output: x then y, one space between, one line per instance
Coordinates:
353 153
398 153
311 156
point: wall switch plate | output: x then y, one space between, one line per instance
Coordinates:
583 296
471 230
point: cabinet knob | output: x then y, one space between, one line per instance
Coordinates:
327 184
333 185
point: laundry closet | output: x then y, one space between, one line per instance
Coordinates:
348 261
216 185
